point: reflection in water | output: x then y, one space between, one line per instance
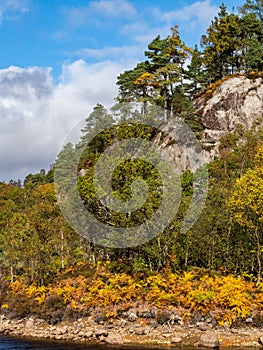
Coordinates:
11 343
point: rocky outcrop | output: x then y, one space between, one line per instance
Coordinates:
179 146
237 101
226 106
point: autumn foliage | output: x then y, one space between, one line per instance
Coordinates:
226 298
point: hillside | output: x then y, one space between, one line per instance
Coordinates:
154 218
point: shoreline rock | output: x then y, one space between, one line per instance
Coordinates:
139 332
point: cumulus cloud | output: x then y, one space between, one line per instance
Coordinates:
36 113
123 54
195 17
96 11
199 9
193 20
10 9
113 8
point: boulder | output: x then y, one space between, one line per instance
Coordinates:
132 317
176 340
101 332
209 340
88 334
114 338
30 323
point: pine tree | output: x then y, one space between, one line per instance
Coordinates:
251 41
253 6
254 55
128 90
221 46
157 54
195 72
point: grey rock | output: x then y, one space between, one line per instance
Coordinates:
146 313
114 338
147 330
176 340
58 337
122 323
89 334
234 330
102 339
139 331
101 332
167 335
29 324
203 326
209 339
132 317
61 330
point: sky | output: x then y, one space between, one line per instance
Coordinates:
59 58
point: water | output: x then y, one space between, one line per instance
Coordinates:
10 343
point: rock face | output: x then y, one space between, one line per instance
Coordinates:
235 102
179 146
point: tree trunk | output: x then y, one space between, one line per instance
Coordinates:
258 257
12 273
62 250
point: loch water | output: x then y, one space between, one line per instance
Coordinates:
12 343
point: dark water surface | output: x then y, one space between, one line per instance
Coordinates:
10 343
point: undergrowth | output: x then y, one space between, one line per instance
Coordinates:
227 298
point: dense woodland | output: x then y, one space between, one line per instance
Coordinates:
44 264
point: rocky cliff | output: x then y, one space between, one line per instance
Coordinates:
226 105
236 101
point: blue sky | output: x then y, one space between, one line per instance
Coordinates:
60 57
49 33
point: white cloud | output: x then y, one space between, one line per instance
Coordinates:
113 8
196 16
36 114
127 55
202 10
147 36
10 9
193 20
135 27
97 11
